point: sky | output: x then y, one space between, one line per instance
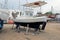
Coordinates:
14 4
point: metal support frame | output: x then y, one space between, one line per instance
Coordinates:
27 29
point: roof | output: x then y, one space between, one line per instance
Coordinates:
35 4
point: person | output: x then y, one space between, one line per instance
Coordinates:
14 15
1 24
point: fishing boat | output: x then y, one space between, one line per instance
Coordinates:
29 21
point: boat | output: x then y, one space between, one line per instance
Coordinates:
29 21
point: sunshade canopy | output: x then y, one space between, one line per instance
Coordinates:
35 4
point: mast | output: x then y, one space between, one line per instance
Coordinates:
5 6
19 5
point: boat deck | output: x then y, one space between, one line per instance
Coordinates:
52 32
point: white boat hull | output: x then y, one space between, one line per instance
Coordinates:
31 19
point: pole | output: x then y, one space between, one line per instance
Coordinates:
40 9
27 3
51 9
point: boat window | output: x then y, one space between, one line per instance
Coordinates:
29 13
